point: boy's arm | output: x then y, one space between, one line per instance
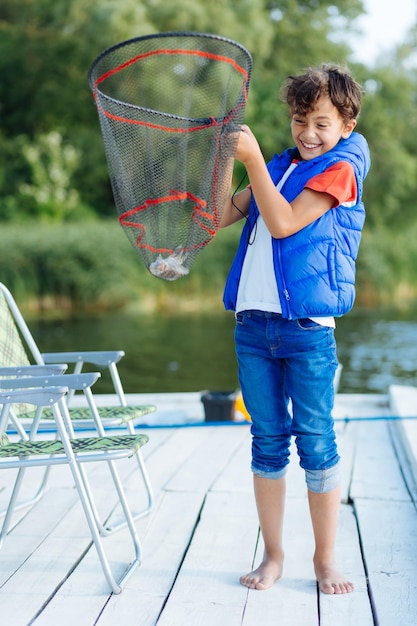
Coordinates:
231 214
281 217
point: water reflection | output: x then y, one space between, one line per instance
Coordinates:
163 353
377 349
195 352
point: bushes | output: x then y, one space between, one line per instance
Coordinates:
66 266
91 266
387 267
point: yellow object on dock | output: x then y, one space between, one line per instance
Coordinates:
240 407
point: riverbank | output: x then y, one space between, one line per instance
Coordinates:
64 270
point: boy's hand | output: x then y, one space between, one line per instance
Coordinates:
248 148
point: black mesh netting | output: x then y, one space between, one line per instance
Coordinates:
168 105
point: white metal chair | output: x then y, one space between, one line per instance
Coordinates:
22 415
74 452
18 349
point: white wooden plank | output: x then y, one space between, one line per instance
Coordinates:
199 471
237 475
81 599
346 442
164 547
44 568
376 473
351 609
160 451
169 458
207 590
404 432
25 539
293 599
389 538
359 406
59 475
80 579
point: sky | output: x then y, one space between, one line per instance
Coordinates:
384 27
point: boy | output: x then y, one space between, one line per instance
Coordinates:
294 271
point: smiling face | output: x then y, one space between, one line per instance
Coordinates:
320 129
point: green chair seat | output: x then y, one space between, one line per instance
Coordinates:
84 444
109 414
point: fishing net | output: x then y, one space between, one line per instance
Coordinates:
169 107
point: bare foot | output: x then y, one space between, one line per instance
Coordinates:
264 576
331 581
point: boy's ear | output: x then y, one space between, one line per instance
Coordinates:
348 129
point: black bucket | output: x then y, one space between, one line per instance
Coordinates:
219 406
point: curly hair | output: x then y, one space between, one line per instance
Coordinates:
302 92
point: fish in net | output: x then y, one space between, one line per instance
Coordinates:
169 107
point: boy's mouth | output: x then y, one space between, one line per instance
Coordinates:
310 146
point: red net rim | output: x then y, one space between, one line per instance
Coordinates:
200 123
206 221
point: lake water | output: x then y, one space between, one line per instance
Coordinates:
195 352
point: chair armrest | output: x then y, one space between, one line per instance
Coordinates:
39 397
101 357
70 381
34 370
42 397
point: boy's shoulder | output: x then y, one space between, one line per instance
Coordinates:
356 140
355 150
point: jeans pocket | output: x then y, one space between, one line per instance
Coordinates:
305 323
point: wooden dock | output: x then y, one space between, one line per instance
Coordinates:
203 533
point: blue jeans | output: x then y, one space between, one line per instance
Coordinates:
286 373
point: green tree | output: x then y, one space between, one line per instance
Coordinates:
47 46
389 121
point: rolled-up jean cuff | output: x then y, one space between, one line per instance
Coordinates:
323 480
272 475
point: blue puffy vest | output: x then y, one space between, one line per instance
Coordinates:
315 267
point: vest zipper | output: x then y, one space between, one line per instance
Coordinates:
287 300
277 249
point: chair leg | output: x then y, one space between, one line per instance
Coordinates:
114 373
11 506
148 487
106 530
89 507
25 504
149 492
90 510
145 476
41 490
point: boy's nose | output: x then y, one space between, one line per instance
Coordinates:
309 132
